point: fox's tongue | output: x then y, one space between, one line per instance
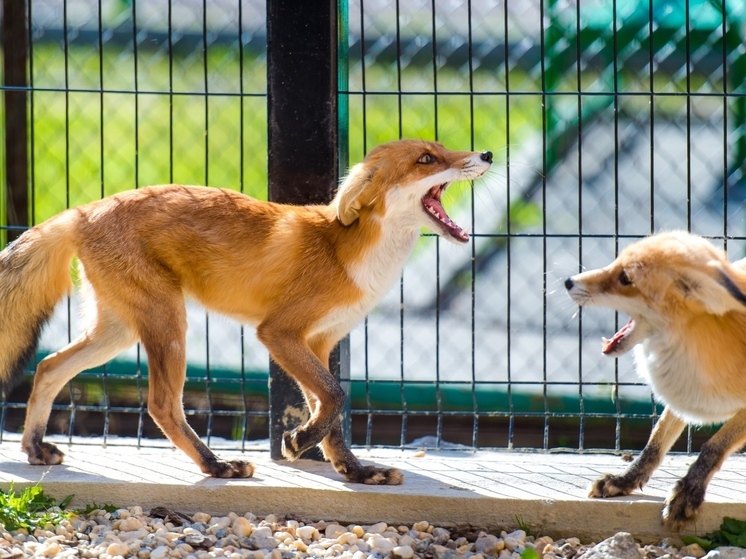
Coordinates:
610 346
431 202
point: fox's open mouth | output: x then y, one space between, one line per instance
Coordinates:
611 346
434 208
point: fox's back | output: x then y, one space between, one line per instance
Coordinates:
210 243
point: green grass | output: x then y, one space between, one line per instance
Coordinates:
31 509
732 532
86 145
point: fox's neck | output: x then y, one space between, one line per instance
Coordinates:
381 254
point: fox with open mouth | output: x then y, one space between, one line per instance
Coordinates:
302 275
687 309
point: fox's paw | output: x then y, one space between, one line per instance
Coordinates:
682 505
44 454
230 468
371 475
296 442
612 486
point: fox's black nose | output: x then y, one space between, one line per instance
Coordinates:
569 283
486 156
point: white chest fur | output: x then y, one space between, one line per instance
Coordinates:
678 381
374 274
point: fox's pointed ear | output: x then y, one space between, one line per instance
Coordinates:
722 290
349 196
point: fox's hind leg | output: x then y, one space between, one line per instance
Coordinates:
664 434
103 340
689 493
163 334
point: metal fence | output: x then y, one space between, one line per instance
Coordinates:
609 119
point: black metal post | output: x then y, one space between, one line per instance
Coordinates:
303 151
15 60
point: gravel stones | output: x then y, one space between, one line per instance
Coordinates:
165 534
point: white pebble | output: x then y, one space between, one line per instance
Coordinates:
333 531
402 552
306 532
201 517
130 524
378 528
379 543
347 538
50 549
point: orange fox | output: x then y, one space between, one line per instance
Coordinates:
303 275
687 308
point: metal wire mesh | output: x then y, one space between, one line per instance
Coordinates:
609 119
612 120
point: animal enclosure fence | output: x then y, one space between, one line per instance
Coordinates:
609 120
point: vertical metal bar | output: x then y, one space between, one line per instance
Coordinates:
472 200
579 78
651 55
405 409
16 196
137 95
15 82
102 187
363 83
545 123
339 360
438 391
688 42
508 230
241 170
66 50
726 77
303 156
206 85
615 92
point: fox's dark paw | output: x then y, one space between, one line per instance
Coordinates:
230 468
296 442
682 505
371 475
612 486
44 454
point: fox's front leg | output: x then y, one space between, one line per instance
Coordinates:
344 461
664 434
341 457
324 395
689 493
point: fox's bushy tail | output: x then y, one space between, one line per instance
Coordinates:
34 276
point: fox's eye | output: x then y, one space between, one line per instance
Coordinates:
624 278
426 159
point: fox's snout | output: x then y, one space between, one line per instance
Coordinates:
569 284
486 156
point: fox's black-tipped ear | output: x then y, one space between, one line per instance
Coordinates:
721 290
349 198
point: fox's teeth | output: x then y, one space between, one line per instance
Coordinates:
604 340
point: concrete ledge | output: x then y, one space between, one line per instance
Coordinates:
488 490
